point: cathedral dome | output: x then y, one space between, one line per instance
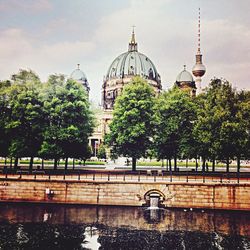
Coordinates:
80 77
184 76
132 63
123 69
185 81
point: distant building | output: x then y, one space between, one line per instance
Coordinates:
121 71
80 77
199 69
185 81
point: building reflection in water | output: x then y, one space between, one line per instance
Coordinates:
51 226
91 235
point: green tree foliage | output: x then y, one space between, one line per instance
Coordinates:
101 154
221 129
23 115
131 129
174 117
69 121
242 147
86 154
5 114
51 120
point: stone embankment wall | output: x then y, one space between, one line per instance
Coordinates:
192 195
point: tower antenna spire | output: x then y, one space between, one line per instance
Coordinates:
199 69
199 31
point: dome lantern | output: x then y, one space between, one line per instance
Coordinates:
133 44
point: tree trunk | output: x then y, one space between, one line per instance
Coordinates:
213 165
5 161
203 164
31 163
66 163
55 164
16 163
84 162
227 164
186 163
238 165
133 164
73 163
11 162
42 164
196 164
167 164
175 163
170 165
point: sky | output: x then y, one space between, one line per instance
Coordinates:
54 36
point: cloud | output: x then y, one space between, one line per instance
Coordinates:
19 50
164 32
25 5
226 51
170 40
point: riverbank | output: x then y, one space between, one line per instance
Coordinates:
129 190
47 226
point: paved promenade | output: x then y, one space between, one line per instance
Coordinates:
120 177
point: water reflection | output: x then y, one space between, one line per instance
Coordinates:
24 226
91 238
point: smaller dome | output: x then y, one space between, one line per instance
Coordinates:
80 77
184 76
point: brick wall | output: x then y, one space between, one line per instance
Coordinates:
213 196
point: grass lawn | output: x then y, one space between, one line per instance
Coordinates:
62 162
181 164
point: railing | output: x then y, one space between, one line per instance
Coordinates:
129 176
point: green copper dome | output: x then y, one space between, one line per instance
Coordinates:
133 63
184 76
80 77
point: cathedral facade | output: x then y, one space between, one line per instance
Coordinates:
121 71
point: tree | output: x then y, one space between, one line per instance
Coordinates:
242 139
219 128
101 154
24 120
86 154
131 129
175 114
69 120
5 113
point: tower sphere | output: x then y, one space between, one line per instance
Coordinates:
199 69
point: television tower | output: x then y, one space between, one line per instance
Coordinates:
199 69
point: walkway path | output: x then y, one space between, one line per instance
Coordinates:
103 177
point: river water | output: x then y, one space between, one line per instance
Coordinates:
45 227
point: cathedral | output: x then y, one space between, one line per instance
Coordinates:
123 68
